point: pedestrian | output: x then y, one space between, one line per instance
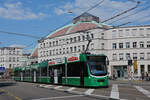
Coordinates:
147 77
142 75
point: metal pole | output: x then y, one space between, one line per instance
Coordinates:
66 70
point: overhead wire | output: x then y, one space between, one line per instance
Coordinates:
76 16
141 10
124 12
20 34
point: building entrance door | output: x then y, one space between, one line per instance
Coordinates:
120 71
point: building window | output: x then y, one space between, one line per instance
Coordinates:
120 45
75 49
60 51
14 59
134 44
114 46
9 59
75 39
79 49
83 37
128 56
102 44
53 43
127 44
63 50
148 44
120 33
134 56
71 40
83 47
17 58
141 55
79 38
120 56
149 69
56 42
71 50
67 50
148 55
141 44
92 46
102 35
114 56
49 44
43 45
92 36
56 51
9 65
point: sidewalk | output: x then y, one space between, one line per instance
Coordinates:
130 82
5 82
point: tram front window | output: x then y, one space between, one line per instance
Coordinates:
97 68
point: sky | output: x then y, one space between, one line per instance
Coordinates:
40 17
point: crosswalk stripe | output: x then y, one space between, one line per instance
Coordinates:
145 92
57 87
89 91
114 92
70 89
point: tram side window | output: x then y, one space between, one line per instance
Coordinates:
74 69
27 73
16 73
44 71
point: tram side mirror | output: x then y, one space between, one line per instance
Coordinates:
107 62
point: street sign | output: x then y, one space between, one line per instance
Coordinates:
2 69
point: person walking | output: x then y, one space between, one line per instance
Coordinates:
142 75
147 77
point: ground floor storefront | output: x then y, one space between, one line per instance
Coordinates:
129 72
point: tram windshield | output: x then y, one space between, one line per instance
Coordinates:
97 66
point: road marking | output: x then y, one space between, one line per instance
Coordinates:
70 89
89 91
47 86
57 87
62 97
10 94
145 92
114 92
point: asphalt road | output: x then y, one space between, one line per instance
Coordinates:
30 91
116 90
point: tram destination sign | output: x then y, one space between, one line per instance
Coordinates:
57 61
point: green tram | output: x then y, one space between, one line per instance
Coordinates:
86 70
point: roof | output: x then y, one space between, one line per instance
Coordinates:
73 28
80 26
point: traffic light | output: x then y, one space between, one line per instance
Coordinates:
129 62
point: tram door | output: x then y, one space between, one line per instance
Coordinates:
34 76
55 76
21 76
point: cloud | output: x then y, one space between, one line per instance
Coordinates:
17 45
106 10
17 12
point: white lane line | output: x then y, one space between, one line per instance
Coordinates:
62 97
57 87
42 85
114 92
89 91
145 92
70 89
47 86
